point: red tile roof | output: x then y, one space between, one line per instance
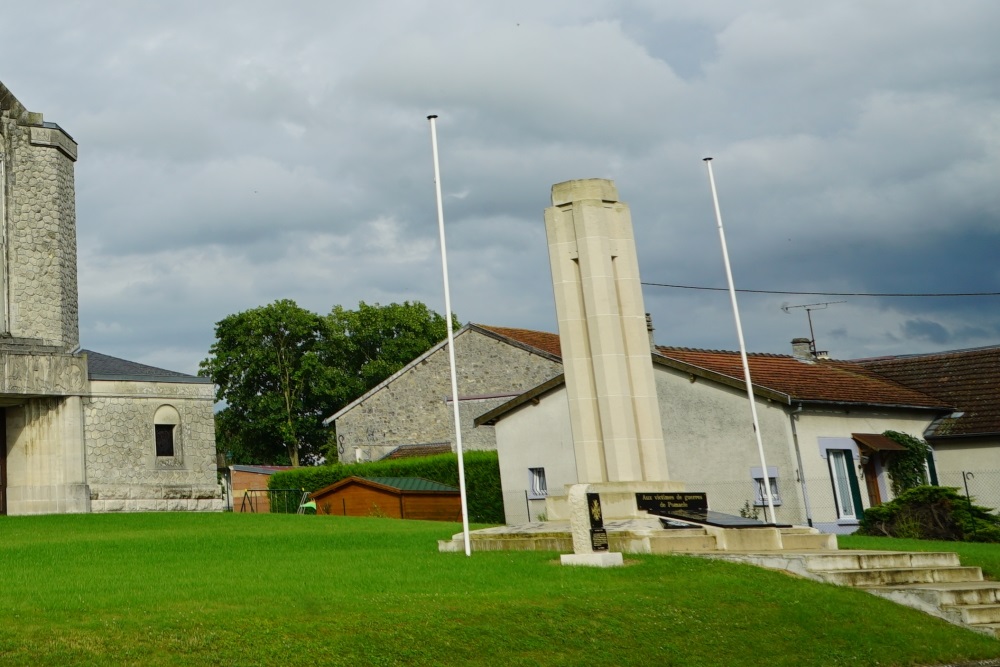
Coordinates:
540 340
823 380
414 451
969 380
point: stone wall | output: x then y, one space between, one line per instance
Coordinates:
40 233
413 407
45 457
123 470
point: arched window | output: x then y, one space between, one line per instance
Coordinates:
166 425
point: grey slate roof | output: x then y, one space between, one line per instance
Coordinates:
105 367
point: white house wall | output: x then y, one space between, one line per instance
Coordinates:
816 423
535 436
709 443
708 435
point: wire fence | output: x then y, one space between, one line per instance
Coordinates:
814 500
262 501
983 486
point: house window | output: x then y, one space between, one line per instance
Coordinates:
536 483
841 469
167 445
164 439
760 498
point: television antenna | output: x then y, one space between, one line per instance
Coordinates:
809 307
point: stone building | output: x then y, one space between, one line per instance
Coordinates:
413 406
82 431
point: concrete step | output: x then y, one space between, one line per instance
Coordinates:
801 541
687 543
989 629
976 614
904 575
951 594
879 560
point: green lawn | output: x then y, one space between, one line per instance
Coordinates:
986 556
230 589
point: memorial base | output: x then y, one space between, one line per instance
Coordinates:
602 559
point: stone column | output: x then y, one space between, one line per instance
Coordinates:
614 411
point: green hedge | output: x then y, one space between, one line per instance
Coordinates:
482 478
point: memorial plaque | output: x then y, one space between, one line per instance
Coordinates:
594 509
662 504
693 508
598 535
599 539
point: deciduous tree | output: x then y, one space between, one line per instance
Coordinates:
281 369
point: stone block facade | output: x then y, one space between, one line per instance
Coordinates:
413 406
76 438
123 469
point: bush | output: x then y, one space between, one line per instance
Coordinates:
932 513
482 478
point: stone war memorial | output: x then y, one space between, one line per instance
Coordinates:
624 499
82 431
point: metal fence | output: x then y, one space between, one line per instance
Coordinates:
795 502
262 501
983 486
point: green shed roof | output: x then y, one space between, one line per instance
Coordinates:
411 483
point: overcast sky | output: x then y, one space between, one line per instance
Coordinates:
234 153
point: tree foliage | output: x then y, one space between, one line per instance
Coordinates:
373 342
281 369
267 365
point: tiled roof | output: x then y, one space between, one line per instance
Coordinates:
540 340
823 380
411 484
261 470
105 367
968 380
414 451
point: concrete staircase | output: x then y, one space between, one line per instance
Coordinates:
935 583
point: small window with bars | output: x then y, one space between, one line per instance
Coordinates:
536 483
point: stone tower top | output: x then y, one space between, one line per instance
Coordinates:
38 288
584 188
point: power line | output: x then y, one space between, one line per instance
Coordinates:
765 291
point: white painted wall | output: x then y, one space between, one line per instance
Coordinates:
709 443
708 435
535 436
816 423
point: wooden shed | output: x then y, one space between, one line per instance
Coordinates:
396 497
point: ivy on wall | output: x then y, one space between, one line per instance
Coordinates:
907 470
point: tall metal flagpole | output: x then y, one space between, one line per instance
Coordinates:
451 338
743 351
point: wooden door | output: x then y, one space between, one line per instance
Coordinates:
871 481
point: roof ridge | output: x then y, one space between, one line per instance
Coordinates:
777 355
941 353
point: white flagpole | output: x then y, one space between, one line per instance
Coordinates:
743 350
451 339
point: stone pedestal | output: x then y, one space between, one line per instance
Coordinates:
586 514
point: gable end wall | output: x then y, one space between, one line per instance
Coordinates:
412 409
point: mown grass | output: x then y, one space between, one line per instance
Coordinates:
229 589
986 556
